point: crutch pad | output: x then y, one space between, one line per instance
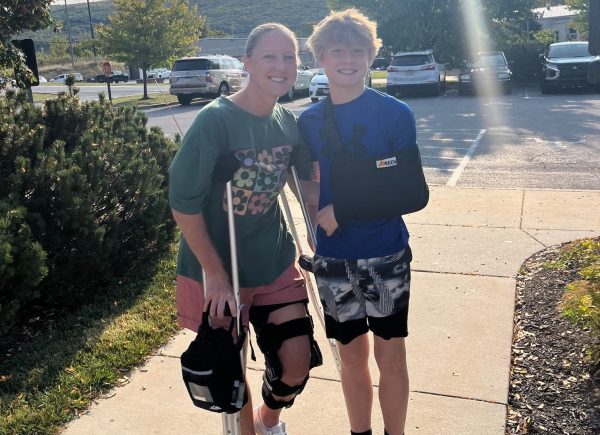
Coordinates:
212 369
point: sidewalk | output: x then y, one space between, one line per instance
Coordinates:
468 245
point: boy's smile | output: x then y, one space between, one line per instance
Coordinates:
346 66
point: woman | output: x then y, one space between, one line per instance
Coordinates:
261 136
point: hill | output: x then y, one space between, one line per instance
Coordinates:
234 18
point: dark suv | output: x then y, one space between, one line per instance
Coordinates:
206 76
566 65
487 71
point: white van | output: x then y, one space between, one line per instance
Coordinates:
62 77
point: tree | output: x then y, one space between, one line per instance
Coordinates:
421 24
595 27
59 47
17 17
581 20
151 33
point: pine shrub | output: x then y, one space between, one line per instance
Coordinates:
83 197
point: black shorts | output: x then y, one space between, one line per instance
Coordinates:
366 294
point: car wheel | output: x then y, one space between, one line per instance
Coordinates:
314 100
223 89
462 91
546 89
291 93
184 100
436 89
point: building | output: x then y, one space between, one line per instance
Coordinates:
235 47
558 19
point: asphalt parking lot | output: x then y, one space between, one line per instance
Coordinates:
523 140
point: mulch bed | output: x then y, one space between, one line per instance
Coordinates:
553 389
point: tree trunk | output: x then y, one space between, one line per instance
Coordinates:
594 28
144 76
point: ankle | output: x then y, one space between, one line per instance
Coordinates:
367 432
267 417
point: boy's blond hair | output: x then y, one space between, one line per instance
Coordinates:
344 27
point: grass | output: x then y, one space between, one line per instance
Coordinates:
48 379
136 100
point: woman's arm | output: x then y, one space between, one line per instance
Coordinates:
217 286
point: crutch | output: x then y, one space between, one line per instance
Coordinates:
231 422
314 295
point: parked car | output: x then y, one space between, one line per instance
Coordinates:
62 77
159 73
566 65
206 76
115 77
319 85
487 71
43 79
380 63
302 84
416 70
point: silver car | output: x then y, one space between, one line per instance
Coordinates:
206 76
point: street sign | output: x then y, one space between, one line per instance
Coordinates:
106 68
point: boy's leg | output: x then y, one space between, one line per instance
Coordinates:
356 382
393 382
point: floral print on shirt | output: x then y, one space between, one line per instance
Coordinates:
258 181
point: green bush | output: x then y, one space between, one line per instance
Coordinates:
84 196
581 300
524 60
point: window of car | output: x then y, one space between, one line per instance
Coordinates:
489 60
410 60
227 64
192 64
237 64
569 50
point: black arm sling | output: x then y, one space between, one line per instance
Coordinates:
366 188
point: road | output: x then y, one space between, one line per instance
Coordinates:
523 140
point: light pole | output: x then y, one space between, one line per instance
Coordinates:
91 29
69 32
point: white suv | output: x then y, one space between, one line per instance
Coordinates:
206 76
416 69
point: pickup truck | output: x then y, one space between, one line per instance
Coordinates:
115 77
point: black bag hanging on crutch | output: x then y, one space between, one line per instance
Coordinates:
212 369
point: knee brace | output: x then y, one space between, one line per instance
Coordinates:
269 340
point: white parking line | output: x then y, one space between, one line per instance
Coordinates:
444 148
466 159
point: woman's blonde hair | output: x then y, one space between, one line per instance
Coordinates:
259 31
344 27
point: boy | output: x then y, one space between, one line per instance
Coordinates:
362 267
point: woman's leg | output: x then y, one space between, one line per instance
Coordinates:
393 382
356 382
294 356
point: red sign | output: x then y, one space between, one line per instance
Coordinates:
106 68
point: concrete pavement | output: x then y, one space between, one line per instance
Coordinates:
468 245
